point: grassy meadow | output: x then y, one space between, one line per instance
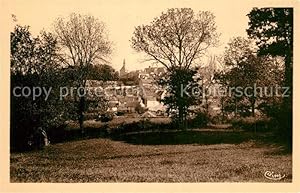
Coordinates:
200 155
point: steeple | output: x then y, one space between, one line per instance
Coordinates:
123 69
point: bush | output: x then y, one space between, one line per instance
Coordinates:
253 124
200 120
90 116
218 119
143 125
281 119
57 134
105 117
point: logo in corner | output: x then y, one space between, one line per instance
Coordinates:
273 176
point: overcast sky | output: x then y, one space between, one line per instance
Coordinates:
121 16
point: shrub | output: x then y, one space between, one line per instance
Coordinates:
140 126
252 124
90 116
57 134
105 117
200 120
218 119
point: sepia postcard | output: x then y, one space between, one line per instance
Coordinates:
149 96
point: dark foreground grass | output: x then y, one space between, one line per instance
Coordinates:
129 160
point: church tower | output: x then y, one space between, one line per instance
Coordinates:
123 69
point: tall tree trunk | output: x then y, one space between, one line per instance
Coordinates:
80 113
253 106
206 105
222 109
235 107
180 117
288 69
287 105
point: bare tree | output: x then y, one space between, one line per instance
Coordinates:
84 42
177 38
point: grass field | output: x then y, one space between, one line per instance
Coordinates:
209 156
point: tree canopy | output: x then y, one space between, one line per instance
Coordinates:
32 54
272 28
247 69
176 38
34 63
84 42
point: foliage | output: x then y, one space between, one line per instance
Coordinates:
140 126
247 70
102 72
177 38
254 124
219 119
34 63
200 120
183 91
272 28
105 117
85 42
130 79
